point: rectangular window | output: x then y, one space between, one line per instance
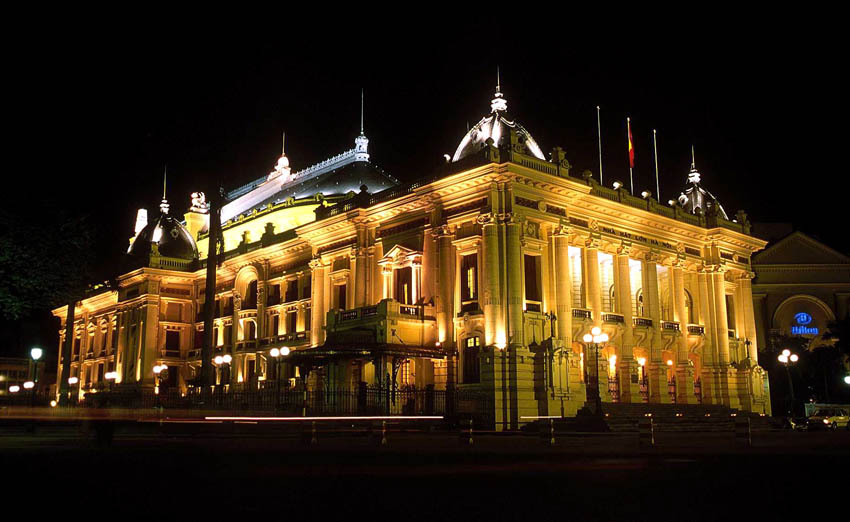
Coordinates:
471 364
291 291
403 285
172 340
532 279
308 319
228 335
730 312
273 296
274 325
291 321
469 278
340 297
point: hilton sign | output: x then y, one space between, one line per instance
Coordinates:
803 319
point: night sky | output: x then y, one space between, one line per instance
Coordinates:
99 112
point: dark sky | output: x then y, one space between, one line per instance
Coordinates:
99 111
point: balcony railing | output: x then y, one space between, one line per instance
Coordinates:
613 318
581 313
642 321
669 325
696 329
170 353
291 337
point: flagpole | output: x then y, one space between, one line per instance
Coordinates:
655 150
629 141
599 134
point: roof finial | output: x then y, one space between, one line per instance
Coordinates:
693 175
283 145
693 158
163 206
498 103
361 111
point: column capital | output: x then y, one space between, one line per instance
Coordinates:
652 256
562 229
624 249
747 275
442 231
317 263
486 218
593 242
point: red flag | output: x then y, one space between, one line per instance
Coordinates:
631 147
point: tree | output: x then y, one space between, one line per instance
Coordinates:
46 260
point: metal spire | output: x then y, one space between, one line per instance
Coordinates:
361 110
498 81
498 103
283 145
163 206
693 158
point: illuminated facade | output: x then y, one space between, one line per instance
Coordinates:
481 277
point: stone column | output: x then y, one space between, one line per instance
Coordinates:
317 321
749 314
626 364
591 283
725 384
709 347
494 327
446 295
563 285
684 367
360 277
515 272
657 368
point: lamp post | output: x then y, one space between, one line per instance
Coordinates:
222 362
786 358
72 381
276 354
160 373
110 378
595 338
36 354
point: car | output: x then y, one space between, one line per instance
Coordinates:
829 418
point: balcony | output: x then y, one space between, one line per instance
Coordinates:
696 329
293 338
643 322
387 322
669 325
581 313
613 318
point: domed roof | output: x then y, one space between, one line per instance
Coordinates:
695 197
172 238
496 126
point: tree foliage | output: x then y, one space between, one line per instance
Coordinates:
45 260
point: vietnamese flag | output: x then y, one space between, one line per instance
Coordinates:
631 146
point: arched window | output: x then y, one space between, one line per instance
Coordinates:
689 307
640 310
610 305
250 301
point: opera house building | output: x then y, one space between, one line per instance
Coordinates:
476 283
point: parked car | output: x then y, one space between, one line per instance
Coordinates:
829 418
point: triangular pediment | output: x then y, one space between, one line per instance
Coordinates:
399 253
800 249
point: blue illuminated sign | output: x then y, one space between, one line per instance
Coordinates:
802 320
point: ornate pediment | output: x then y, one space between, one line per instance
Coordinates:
800 249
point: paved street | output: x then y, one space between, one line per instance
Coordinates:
223 469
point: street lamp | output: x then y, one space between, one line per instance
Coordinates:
72 381
14 389
595 338
847 379
36 354
160 373
786 358
110 378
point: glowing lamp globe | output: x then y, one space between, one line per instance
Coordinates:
794 357
29 385
36 353
847 379
73 380
274 352
284 351
588 338
603 338
783 358
218 359
596 330
227 358
786 352
14 389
